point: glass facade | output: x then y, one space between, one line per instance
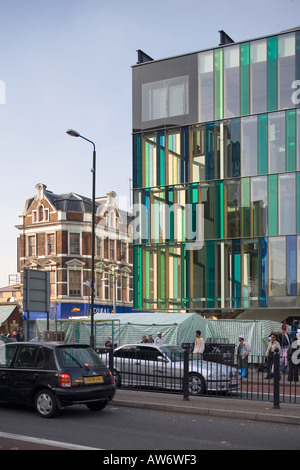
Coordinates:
216 178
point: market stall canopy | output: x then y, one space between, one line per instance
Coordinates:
5 312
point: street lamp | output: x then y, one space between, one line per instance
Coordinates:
73 133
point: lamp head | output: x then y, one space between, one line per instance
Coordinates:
73 133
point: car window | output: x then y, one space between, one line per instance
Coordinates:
148 353
71 356
30 357
7 352
129 352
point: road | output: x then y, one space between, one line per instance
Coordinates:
122 428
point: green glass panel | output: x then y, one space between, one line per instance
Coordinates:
273 204
161 278
262 144
161 160
210 274
245 79
272 74
298 205
291 140
219 209
245 209
218 84
236 273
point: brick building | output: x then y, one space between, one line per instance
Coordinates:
55 235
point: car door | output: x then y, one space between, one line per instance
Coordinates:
127 365
7 353
149 371
26 372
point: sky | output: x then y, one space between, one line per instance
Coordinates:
68 64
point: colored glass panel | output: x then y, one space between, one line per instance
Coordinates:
286 69
258 76
210 152
137 277
291 140
249 146
218 85
137 162
273 204
245 208
277 263
272 74
245 78
210 274
276 132
219 209
206 86
298 203
291 265
287 203
259 205
262 144
263 272
161 171
236 147
236 273
232 81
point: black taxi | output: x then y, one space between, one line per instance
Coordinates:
51 376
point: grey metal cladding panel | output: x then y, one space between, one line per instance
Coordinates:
163 70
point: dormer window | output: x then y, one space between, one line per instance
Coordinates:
41 214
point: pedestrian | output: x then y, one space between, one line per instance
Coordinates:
199 344
144 339
284 342
293 360
150 339
109 343
159 340
243 351
273 347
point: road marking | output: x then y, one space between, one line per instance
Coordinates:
35 440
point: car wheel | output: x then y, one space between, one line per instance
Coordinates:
45 403
197 384
97 406
117 378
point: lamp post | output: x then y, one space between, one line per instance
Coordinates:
73 133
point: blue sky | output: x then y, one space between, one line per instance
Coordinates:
67 64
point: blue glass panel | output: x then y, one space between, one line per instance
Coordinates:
137 170
263 272
291 265
184 170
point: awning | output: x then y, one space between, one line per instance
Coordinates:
5 312
273 314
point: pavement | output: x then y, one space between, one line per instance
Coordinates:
211 406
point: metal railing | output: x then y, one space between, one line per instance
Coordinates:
258 379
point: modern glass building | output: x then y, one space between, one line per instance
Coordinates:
216 178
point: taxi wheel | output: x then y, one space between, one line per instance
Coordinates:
45 403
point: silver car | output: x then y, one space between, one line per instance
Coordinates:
148 365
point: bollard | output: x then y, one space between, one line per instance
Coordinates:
185 384
276 375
